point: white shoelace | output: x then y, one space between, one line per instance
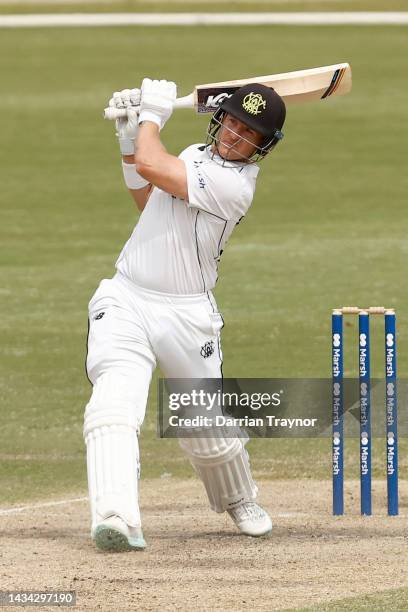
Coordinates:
248 510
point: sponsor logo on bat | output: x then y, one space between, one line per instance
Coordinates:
210 99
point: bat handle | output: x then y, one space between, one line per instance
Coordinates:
112 113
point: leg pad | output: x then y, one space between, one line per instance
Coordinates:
223 466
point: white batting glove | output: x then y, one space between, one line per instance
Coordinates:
157 101
126 127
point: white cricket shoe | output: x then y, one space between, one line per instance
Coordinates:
113 534
251 519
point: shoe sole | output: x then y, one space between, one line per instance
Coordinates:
109 539
258 535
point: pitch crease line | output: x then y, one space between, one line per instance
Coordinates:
63 502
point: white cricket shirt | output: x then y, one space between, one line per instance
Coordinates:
176 245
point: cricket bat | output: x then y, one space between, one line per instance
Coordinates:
294 87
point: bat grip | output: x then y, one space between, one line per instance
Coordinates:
111 113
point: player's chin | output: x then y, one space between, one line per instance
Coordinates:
229 153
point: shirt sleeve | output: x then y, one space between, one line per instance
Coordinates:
221 191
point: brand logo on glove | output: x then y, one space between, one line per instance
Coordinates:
253 103
207 350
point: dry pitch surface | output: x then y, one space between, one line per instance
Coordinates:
197 560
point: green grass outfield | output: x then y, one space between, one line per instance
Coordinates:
327 227
395 600
154 6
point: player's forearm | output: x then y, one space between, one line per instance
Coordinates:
128 159
150 152
152 161
156 165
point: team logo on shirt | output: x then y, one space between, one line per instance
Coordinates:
207 350
253 103
98 316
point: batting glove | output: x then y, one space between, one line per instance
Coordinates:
157 101
126 127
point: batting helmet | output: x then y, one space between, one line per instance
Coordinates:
260 108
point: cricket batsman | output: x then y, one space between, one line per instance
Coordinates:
159 307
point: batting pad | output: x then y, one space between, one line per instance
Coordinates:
223 466
110 433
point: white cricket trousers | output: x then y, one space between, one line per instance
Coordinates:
130 330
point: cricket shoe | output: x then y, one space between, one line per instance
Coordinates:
114 535
251 519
